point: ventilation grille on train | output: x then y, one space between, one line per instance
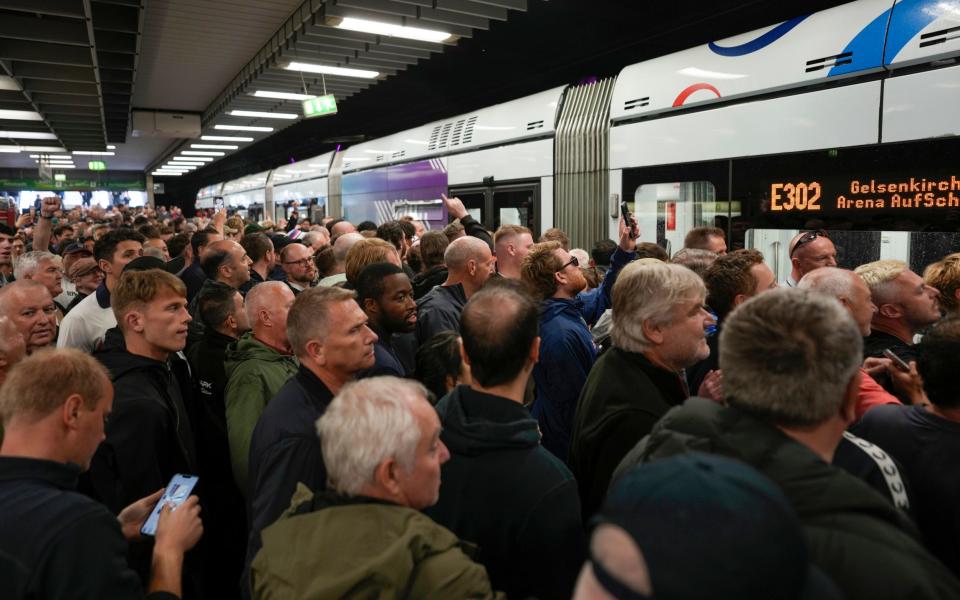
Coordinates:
636 103
939 37
828 62
535 125
452 134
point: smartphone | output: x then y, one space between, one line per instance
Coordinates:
178 490
218 204
896 360
627 219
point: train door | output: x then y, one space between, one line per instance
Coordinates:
502 204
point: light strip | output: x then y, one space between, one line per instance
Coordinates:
167 173
202 159
193 163
52 156
242 128
62 167
330 70
10 149
202 153
214 146
225 138
262 115
9 83
377 28
93 153
55 149
28 135
20 115
282 95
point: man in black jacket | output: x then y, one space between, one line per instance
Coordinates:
658 330
328 332
791 372
501 489
65 545
224 507
227 267
386 296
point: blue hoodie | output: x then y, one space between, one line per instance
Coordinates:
567 353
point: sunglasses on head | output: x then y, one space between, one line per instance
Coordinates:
806 238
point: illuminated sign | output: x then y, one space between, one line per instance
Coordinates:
97 165
865 194
59 176
320 106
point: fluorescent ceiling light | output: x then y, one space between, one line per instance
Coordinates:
52 156
10 149
225 138
330 70
282 95
262 115
93 153
242 128
20 115
62 167
9 83
378 28
214 146
42 149
202 153
167 173
54 161
185 162
198 159
111 147
28 135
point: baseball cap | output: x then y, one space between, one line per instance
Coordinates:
707 527
75 248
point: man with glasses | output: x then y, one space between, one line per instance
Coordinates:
566 349
810 250
297 262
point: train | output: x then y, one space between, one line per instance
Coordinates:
845 120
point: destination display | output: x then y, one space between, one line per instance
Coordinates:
859 194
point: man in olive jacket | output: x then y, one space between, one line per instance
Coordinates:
380 477
256 369
791 371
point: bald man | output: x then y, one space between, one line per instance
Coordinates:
470 263
810 250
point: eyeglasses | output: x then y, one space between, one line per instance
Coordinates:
807 238
573 261
303 262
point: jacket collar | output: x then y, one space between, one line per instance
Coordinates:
312 384
670 383
60 475
217 339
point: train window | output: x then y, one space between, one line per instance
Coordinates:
673 209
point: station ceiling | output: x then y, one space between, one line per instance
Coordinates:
77 68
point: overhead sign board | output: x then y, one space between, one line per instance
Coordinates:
97 165
320 106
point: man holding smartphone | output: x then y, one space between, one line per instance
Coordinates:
64 545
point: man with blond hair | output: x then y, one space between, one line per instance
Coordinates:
905 305
328 333
149 437
511 244
944 275
381 445
658 330
64 545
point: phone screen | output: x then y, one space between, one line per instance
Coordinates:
218 204
625 213
178 490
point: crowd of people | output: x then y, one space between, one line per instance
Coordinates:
385 411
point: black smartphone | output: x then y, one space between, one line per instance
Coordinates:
178 490
896 360
628 219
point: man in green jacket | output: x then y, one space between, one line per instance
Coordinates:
366 537
791 372
257 368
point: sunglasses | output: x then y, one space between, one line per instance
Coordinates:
807 238
573 261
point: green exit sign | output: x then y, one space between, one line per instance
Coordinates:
320 106
59 176
97 165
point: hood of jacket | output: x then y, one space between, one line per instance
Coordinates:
424 282
474 423
814 487
567 309
249 348
119 361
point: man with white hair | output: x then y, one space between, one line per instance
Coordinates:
658 330
469 265
381 444
328 333
256 368
810 250
30 307
42 267
787 408
905 305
